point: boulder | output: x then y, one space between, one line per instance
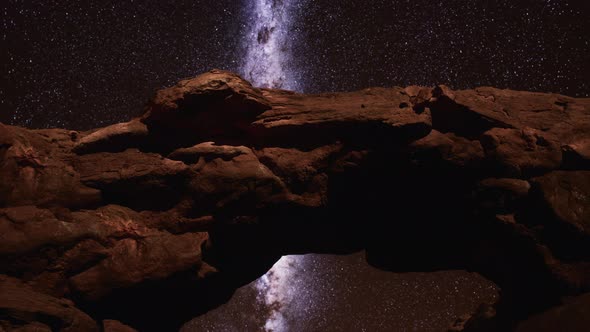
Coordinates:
367 116
38 311
566 195
214 104
521 152
114 138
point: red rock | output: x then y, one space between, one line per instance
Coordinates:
113 248
143 181
208 150
502 195
218 176
567 195
132 261
448 148
116 326
304 172
117 137
31 327
367 115
40 170
19 302
206 106
521 152
238 182
472 112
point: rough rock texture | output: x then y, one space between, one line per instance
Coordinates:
23 305
218 179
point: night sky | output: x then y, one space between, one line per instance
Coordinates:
319 292
85 64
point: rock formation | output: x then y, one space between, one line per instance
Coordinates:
154 221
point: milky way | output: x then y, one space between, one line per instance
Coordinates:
269 42
318 292
280 290
268 63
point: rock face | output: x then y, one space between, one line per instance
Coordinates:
217 179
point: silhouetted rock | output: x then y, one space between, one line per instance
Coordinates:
155 220
573 316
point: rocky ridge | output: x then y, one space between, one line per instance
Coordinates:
218 179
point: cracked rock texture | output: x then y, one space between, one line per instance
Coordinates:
218 179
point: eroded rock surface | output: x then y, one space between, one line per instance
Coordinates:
217 179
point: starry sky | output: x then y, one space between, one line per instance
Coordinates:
320 292
85 64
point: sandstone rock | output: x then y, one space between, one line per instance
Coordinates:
576 155
241 184
448 148
143 181
135 260
521 152
304 172
110 325
96 251
30 327
208 150
217 103
581 147
369 115
472 112
114 138
19 302
218 179
36 170
567 195
501 195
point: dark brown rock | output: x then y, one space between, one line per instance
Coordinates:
133 261
95 251
472 112
208 151
110 325
365 116
521 152
567 196
239 182
217 179
135 179
482 319
21 303
117 137
448 148
501 195
572 316
304 172
217 103
40 170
